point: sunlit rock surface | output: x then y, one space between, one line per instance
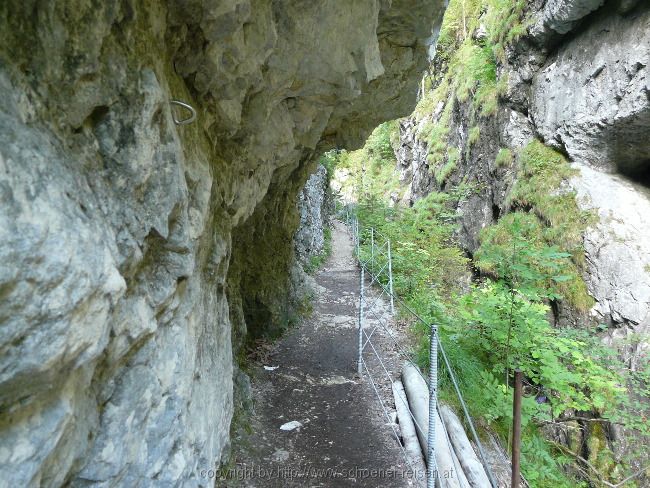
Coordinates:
618 253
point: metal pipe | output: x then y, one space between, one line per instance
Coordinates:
516 429
432 470
472 429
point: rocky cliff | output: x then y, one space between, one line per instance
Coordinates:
573 75
577 80
136 253
315 205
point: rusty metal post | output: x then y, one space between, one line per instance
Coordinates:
516 429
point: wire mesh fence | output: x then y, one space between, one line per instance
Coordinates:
373 251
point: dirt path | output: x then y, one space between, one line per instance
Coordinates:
344 439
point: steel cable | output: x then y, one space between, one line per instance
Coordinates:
391 423
375 278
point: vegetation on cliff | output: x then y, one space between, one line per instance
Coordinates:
497 310
501 322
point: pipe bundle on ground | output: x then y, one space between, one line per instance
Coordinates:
457 464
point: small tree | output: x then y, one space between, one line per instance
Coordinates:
507 316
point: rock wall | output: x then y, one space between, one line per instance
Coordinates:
590 97
315 205
617 250
578 80
136 254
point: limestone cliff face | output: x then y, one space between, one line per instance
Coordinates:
579 81
136 253
315 205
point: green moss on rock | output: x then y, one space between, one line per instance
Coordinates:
541 189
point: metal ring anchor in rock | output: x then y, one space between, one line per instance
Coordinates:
186 120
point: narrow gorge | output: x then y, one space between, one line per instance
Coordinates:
142 258
528 154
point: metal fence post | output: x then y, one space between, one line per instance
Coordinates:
390 280
463 405
359 360
372 250
358 237
432 470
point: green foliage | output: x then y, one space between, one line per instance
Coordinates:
531 257
432 98
486 98
542 465
436 135
503 324
458 23
423 258
514 250
504 23
372 168
490 401
497 239
472 65
471 72
443 172
330 160
379 145
539 188
542 170
502 85
510 330
474 69
504 158
628 410
474 135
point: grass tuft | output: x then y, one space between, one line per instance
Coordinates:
504 158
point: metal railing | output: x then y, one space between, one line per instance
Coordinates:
373 252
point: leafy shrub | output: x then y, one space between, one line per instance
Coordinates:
379 145
540 187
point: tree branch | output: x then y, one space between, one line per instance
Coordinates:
601 477
577 419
